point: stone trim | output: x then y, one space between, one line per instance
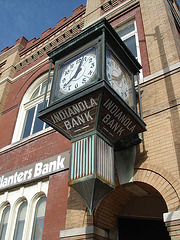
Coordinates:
172 222
83 231
162 72
171 216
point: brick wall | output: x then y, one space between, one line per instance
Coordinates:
56 206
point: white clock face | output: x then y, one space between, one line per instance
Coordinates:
76 72
118 78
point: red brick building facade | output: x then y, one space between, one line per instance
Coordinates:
35 200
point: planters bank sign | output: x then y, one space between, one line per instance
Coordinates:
35 171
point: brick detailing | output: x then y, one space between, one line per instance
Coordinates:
161 34
106 213
165 183
56 206
57 40
173 228
77 213
108 5
4 90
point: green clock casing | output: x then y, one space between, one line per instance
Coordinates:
75 72
118 78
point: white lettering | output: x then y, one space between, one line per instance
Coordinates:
20 177
60 162
73 110
67 125
122 119
38 169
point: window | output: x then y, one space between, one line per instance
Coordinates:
32 123
20 221
128 34
28 123
23 217
4 222
39 219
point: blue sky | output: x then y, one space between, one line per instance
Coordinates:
29 18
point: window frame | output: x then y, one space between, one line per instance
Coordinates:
35 216
26 104
7 205
17 218
122 26
14 198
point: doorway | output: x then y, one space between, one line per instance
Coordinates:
142 229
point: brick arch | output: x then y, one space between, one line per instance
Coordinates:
151 178
27 80
164 182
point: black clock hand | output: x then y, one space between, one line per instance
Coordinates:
76 73
79 68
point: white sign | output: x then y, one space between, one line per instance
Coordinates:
34 171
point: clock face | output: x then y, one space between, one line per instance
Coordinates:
76 72
118 78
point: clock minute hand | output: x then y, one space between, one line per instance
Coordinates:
78 69
76 73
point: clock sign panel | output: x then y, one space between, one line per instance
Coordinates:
76 72
117 120
75 118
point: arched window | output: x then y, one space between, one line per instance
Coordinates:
4 222
27 122
39 219
32 123
20 220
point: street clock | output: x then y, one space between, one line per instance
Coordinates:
93 103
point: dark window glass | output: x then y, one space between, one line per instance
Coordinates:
38 124
30 115
4 222
131 44
126 30
20 221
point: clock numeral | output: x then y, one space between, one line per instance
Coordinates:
72 65
66 72
64 79
84 80
76 86
90 59
64 86
108 63
78 60
92 65
90 73
69 87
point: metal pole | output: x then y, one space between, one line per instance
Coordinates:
45 95
139 95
